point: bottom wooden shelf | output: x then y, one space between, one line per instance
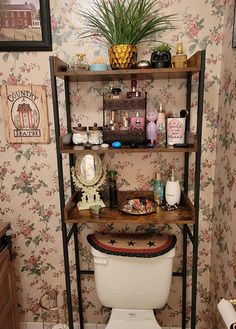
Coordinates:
183 215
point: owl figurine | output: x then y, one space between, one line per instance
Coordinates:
151 129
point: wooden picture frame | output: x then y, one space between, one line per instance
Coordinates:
234 28
25 113
25 26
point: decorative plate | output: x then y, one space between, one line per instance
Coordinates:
140 206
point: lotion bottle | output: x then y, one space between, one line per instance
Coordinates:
172 191
158 189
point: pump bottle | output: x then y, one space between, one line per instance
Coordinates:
172 191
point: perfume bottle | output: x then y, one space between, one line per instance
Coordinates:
78 63
112 121
173 191
161 126
158 189
112 176
134 92
179 60
125 122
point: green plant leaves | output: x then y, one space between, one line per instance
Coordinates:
125 22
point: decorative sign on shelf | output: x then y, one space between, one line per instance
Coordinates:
25 113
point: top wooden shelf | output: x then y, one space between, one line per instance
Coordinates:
193 66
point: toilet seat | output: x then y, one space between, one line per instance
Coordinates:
132 319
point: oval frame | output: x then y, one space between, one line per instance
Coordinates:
78 171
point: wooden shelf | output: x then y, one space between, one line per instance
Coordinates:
183 215
193 66
74 149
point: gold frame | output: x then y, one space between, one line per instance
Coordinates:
98 169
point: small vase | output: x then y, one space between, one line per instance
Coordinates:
161 59
123 57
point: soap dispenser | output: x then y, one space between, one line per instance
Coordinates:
172 191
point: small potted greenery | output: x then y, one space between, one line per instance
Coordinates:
123 24
161 56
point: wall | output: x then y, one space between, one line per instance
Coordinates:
28 173
223 258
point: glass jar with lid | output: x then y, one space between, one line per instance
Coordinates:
78 63
80 135
95 135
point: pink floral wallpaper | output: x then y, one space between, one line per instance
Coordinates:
28 173
223 252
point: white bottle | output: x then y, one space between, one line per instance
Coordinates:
173 191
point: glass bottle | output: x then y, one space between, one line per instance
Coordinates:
158 189
134 92
179 60
78 63
161 126
112 176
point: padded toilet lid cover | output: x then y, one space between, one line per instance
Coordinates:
133 244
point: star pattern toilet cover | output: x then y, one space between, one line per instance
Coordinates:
132 244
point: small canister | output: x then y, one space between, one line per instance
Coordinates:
95 135
80 135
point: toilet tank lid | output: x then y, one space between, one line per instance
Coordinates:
132 244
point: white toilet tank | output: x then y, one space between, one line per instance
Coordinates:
133 282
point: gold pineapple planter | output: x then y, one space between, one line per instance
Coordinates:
123 57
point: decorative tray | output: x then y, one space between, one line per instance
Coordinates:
140 206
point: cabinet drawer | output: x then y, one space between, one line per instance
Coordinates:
7 292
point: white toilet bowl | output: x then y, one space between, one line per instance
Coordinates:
132 281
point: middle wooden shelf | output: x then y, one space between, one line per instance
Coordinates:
183 215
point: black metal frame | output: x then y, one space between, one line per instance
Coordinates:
40 45
234 28
189 236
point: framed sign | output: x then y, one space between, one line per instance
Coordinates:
25 25
234 28
25 114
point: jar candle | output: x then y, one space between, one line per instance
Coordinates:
175 131
95 135
80 135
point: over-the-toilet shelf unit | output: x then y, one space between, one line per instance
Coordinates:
186 217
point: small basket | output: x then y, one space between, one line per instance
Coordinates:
53 314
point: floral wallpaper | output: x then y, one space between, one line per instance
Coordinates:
223 253
28 173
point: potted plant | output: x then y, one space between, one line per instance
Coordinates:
161 56
123 24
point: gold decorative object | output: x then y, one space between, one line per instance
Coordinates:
123 57
179 60
78 63
89 175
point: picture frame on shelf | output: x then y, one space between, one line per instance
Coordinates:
25 26
234 28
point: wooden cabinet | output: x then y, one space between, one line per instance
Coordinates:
186 217
8 318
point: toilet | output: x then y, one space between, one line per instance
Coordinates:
132 276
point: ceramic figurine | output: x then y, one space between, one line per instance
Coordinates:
151 129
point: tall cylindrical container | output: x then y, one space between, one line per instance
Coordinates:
175 130
161 125
158 189
173 190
